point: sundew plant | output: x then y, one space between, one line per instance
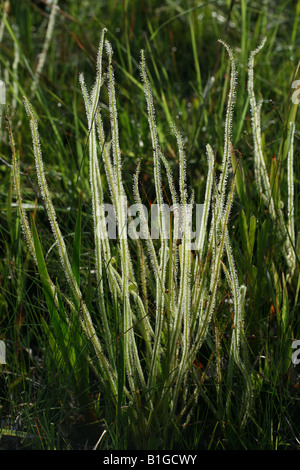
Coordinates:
155 299
286 231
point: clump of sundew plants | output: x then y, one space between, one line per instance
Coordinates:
155 338
145 363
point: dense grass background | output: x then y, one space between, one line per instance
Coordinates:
189 72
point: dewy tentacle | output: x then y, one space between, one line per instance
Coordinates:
86 322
